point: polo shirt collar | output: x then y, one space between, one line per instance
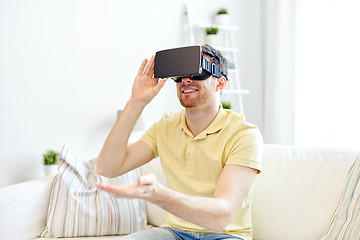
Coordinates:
214 127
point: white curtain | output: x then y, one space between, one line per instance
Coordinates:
327 77
278 70
311 72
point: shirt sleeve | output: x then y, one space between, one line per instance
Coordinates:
149 138
246 148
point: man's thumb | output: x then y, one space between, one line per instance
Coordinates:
160 84
146 179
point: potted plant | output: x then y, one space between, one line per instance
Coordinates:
226 105
50 158
210 37
212 30
222 17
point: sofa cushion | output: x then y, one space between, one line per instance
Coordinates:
77 208
297 191
155 215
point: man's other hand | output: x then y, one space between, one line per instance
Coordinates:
143 189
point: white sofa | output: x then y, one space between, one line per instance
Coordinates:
295 196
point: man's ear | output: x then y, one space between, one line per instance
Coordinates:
221 83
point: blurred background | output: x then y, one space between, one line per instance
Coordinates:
67 67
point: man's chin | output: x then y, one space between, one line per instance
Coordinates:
187 104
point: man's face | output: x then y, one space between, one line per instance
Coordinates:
194 93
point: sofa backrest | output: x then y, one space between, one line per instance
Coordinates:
294 197
297 191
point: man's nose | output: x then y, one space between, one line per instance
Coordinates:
187 80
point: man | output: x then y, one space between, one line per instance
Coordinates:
210 157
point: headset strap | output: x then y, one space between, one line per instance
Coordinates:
211 68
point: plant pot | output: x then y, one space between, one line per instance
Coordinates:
50 170
211 39
222 19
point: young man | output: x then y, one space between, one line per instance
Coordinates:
210 157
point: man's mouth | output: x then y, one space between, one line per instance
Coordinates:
188 91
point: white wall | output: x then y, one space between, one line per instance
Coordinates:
67 66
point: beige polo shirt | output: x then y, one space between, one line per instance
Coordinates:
193 165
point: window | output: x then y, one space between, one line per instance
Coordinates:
327 73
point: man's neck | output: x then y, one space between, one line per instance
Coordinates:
198 119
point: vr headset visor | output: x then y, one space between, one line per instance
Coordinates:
178 63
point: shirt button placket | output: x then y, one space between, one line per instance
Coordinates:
190 166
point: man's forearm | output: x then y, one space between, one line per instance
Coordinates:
113 152
208 212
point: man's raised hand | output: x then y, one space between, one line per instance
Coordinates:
146 87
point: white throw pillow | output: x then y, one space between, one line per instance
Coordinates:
78 208
345 223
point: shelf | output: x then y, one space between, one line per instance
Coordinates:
227 45
220 27
234 91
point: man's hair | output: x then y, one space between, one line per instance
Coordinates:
216 57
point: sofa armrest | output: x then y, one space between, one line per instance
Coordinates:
23 208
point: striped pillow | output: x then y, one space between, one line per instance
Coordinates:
77 208
345 222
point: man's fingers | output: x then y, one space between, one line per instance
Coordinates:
152 70
142 67
126 191
119 190
150 67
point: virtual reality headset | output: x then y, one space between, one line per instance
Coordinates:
178 63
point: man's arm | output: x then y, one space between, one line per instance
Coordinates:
116 157
214 213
